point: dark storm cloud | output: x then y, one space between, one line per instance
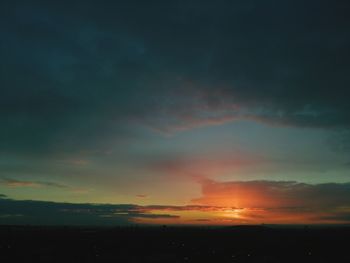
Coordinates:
75 76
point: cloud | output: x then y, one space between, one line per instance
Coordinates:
9 182
43 213
251 202
280 201
83 80
201 166
341 216
271 194
202 208
184 68
14 183
80 190
142 196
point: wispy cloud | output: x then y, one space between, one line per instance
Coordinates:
201 166
142 196
9 182
14 183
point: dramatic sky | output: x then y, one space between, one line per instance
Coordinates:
175 112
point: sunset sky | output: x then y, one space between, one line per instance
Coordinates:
175 112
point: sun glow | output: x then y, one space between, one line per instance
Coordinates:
233 213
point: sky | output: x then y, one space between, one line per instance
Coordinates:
175 112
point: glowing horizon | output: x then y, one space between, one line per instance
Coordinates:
172 112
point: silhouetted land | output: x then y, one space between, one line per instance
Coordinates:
173 244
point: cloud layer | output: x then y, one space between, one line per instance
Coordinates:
280 201
251 202
99 66
53 213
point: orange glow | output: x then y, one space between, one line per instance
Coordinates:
236 217
255 202
234 213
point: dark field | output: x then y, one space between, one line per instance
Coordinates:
170 244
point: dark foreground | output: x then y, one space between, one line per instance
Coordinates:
166 244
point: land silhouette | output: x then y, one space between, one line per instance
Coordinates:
174 244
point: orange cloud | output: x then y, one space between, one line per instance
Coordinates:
280 201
